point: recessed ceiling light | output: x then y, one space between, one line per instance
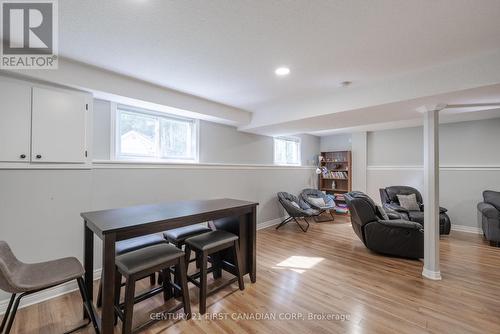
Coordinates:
282 71
345 83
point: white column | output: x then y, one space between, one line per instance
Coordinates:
359 157
431 193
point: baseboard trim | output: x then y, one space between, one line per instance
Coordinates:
432 275
46 294
270 223
467 229
72 286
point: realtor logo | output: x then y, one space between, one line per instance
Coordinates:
29 34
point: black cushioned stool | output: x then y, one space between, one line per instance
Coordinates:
140 263
178 236
204 245
130 245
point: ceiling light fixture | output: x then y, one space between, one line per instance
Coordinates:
282 71
345 83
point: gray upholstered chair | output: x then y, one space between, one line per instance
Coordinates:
21 278
390 201
489 216
311 197
295 208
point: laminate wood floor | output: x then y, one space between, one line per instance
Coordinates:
328 274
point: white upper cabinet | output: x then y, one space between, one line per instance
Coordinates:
58 133
15 121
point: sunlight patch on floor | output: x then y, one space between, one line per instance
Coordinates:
299 264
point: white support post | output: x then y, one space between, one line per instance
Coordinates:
431 193
359 160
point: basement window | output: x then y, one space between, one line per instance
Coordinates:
153 136
287 151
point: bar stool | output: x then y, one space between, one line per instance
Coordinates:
138 264
178 236
210 243
130 245
229 224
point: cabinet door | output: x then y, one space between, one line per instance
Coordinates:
58 126
15 122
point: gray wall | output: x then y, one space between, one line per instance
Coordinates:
218 143
463 143
469 159
41 208
395 147
224 144
340 142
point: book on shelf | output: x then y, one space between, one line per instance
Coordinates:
335 175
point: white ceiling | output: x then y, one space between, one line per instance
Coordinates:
226 51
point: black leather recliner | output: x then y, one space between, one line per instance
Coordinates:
383 232
489 215
390 201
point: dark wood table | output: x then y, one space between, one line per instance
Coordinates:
125 223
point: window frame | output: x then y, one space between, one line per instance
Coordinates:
299 150
117 154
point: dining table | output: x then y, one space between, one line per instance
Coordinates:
118 224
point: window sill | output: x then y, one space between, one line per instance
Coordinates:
292 165
141 160
106 164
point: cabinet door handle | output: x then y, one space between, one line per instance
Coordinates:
38 156
22 156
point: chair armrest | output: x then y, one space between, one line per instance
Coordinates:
488 210
395 207
402 223
393 215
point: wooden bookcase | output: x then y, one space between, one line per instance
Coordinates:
338 178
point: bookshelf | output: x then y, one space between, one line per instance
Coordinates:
337 179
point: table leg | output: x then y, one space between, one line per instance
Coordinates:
244 245
88 262
108 282
252 244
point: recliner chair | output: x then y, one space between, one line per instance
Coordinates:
383 232
489 215
390 201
